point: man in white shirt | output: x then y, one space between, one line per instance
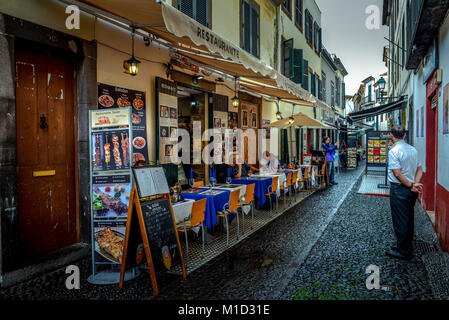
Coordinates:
269 163
404 174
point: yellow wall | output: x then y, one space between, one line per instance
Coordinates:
48 13
110 69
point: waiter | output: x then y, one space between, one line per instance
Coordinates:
404 174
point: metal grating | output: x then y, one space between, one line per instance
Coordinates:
218 245
437 267
369 186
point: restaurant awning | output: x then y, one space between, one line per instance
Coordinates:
299 120
360 115
196 42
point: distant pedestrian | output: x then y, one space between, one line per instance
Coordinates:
329 149
404 175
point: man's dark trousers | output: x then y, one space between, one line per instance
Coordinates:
402 203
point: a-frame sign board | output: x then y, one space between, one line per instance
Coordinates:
151 223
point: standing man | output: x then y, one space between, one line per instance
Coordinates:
404 174
329 150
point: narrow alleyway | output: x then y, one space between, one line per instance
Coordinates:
318 250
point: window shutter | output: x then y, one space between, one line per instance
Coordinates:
307 26
305 78
320 46
255 31
312 84
297 66
202 12
186 7
319 89
343 94
246 26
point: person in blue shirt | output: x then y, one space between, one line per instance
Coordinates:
329 149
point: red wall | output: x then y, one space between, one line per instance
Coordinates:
442 216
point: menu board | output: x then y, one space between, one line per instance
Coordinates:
110 150
352 158
117 97
151 181
110 182
378 143
161 233
108 242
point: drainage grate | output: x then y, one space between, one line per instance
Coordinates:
437 267
422 247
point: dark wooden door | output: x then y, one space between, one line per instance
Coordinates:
45 142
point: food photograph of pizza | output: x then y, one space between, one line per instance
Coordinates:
106 101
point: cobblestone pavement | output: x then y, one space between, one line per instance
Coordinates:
317 250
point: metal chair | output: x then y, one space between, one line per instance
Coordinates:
273 190
228 208
248 200
195 219
286 185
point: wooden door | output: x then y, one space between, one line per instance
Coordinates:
45 141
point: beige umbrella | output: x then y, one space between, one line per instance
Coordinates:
299 120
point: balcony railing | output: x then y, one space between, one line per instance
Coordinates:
366 101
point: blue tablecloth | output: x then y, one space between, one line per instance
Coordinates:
260 189
214 203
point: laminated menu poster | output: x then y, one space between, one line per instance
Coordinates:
108 239
110 150
117 97
167 119
110 196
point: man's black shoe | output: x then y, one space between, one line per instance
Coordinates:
397 255
333 183
394 248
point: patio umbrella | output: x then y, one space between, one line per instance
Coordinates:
299 120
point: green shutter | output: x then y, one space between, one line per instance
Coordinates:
305 78
297 138
312 84
288 58
297 66
319 89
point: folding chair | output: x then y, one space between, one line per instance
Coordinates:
195 219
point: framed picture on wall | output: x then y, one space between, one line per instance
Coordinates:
253 120
244 118
217 122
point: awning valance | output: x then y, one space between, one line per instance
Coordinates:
196 41
360 115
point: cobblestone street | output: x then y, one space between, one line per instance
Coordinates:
318 250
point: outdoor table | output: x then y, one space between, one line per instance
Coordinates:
232 187
281 178
182 209
260 189
214 203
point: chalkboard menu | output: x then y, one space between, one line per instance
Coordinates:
161 234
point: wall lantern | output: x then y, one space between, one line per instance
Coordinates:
235 100
131 65
381 83
279 115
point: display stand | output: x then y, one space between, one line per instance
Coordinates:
151 225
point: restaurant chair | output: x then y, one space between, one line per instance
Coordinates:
248 200
228 208
195 219
198 184
273 190
286 185
295 180
307 177
321 175
300 179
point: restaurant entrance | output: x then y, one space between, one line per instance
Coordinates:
45 152
192 108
